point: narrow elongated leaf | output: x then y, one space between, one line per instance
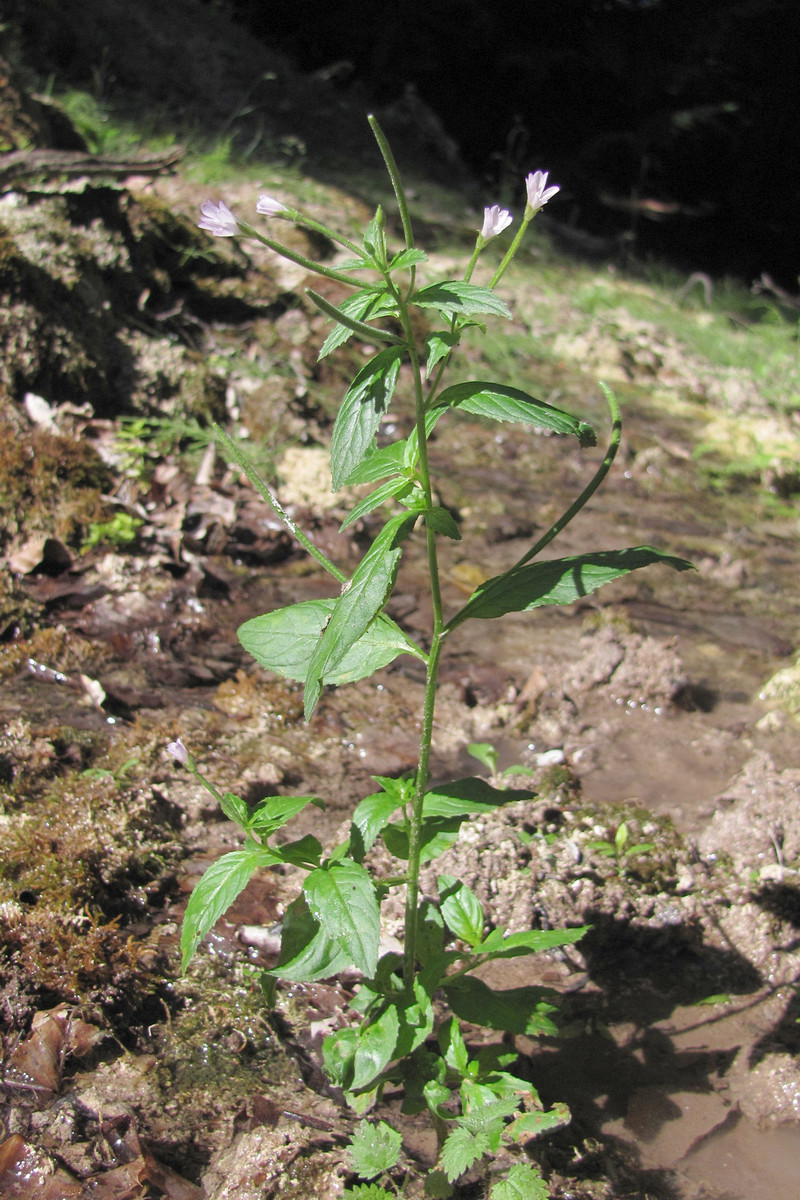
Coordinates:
516 1010
529 942
359 416
307 952
456 298
560 580
390 460
370 332
215 893
275 811
502 403
354 611
363 305
382 495
284 641
440 344
406 259
343 900
463 797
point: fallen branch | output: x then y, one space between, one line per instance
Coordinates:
22 166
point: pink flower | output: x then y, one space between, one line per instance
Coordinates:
218 219
268 207
495 220
179 751
538 192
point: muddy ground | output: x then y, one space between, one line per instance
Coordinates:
131 553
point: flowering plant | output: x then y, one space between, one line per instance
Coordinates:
399 1036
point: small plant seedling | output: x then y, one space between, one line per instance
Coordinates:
408 1013
619 848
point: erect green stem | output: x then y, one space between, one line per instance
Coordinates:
397 184
277 507
426 732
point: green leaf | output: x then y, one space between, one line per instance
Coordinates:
235 809
361 306
485 1116
436 835
307 952
370 817
284 641
375 1047
364 597
529 942
485 754
416 1022
437 1186
406 259
453 1046
441 520
559 581
276 811
455 298
523 1182
531 1124
465 797
364 404
393 487
378 464
215 893
367 1191
502 403
374 1149
338 1051
461 1150
342 899
430 932
513 1010
369 332
375 239
305 852
440 344
461 909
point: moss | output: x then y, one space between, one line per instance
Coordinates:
39 466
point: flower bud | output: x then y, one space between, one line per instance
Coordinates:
179 752
269 207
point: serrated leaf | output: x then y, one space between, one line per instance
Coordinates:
388 491
276 811
342 899
374 1149
513 1010
406 259
367 1191
523 1182
461 909
501 403
390 460
437 1186
358 419
461 1150
355 610
439 345
456 298
363 305
484 1116
559 581
307 952
235 809
215 893
304 852
284 641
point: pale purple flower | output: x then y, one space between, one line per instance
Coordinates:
269 207
495 220
218 219
538 192
179 751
